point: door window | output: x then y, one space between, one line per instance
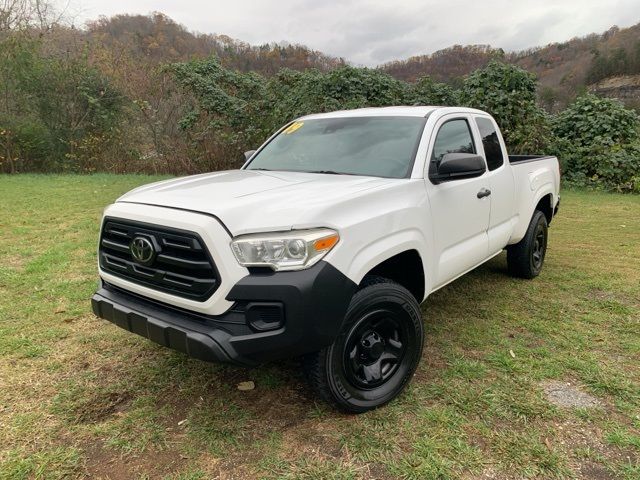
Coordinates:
490 143
454 136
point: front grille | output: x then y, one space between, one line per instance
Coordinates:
181 265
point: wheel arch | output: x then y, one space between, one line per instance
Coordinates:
545 205
405 268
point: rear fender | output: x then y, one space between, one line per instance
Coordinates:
535 186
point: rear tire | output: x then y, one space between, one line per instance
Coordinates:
526 258
376 352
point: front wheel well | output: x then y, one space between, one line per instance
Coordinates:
404 268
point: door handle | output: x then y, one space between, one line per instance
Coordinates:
484 192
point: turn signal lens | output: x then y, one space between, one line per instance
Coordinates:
326 243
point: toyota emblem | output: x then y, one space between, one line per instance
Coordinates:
142 250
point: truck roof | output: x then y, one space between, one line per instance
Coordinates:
399 111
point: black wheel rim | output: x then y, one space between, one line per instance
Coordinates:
539 246
374 349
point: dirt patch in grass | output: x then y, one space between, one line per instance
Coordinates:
107 464
594 471
591 456
14 262
564 394
606 296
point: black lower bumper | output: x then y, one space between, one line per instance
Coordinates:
304 313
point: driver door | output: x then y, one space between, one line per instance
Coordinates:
460 217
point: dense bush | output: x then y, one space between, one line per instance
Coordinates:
598 142
509 94
591 120
232 112
225 112
428 92
58 112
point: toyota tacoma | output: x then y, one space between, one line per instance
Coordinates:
324 244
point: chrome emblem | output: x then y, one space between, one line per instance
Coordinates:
142 250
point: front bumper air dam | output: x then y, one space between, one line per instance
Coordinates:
313 303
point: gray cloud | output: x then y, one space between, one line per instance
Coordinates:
369 32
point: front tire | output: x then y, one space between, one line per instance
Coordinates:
525 258
376 353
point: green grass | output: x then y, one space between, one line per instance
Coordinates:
81 398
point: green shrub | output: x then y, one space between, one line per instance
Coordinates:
56 102
428 92
509 94
592 121
232 111
24 144
598 143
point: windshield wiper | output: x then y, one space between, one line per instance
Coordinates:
328 172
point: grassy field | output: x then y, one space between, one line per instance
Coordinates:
81 398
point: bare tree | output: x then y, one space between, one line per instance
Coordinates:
16 15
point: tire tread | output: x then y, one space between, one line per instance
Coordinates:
518 262
315 365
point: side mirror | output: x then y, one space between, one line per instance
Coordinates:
248 154
456 166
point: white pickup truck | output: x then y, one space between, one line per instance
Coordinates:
324 244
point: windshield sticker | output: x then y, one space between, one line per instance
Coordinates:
293 127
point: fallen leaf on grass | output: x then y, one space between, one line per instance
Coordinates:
244 386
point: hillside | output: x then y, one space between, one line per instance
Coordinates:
562 68
159 39
445 65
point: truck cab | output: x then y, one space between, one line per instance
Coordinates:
325 243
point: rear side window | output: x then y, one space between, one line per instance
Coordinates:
454 136
490 143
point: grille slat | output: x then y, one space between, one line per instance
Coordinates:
182 262
122 247
181 266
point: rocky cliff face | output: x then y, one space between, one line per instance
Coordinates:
625 88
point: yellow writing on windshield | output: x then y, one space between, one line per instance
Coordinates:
293 127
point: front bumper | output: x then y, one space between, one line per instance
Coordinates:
312 305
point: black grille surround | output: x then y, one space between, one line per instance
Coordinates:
182 266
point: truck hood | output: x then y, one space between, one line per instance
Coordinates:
255 201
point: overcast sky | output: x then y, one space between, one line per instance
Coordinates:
370 32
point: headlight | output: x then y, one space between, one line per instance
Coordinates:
295 250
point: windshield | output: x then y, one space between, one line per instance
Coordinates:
373 146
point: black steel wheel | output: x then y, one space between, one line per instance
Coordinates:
526 258
539 246
375 348
376 353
